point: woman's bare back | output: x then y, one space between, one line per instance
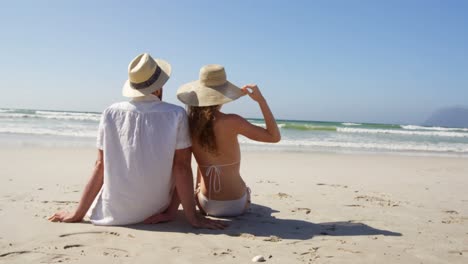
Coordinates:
227 161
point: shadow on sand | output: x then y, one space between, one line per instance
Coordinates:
260 223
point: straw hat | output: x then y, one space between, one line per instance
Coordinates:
211 89
145 75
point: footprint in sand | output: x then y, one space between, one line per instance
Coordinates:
349 250
454 220
74 191
309 255
262 181
106 251
115 252
333 185
90 232
283 195
96 249
36 256
72 246
301 209
272 239
243 235
177 249
61 202
354 205
377 200
222 252
459 252
14 253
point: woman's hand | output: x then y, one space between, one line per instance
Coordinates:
269 134
254 92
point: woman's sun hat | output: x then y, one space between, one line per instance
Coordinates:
146 75
212 88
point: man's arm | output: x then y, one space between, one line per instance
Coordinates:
91 190
182 172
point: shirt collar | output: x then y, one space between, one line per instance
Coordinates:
146 98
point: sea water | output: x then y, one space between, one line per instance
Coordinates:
27 127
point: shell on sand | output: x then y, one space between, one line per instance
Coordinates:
258 258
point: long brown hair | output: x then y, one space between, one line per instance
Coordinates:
201 119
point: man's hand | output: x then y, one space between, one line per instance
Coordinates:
90 192
202 222
65 217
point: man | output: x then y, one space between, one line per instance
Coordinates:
143 170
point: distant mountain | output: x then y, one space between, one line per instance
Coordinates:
449 117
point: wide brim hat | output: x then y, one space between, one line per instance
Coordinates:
212 88
145 76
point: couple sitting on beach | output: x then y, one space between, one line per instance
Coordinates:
143 169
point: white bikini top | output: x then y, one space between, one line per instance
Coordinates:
214 174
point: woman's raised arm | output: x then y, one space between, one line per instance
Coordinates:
269 134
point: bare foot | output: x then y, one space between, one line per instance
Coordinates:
159 218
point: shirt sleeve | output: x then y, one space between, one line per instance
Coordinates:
183 133
100 135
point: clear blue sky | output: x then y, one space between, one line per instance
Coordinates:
365 61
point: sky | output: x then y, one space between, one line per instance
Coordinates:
356 61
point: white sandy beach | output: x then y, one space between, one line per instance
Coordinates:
307 208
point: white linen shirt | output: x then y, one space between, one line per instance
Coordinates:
138 139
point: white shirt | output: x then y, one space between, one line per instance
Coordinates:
138 139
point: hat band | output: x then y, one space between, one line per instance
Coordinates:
148 82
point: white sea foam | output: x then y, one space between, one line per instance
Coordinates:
39 112
87 133
413 127
403 132
259 124
351 124
69 115
53 115
264 125
9 115
410 146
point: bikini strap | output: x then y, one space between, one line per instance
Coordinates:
214 174
220 165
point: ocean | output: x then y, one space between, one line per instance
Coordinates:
22 127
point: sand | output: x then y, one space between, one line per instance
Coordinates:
307 208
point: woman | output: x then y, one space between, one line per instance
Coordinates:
221 190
